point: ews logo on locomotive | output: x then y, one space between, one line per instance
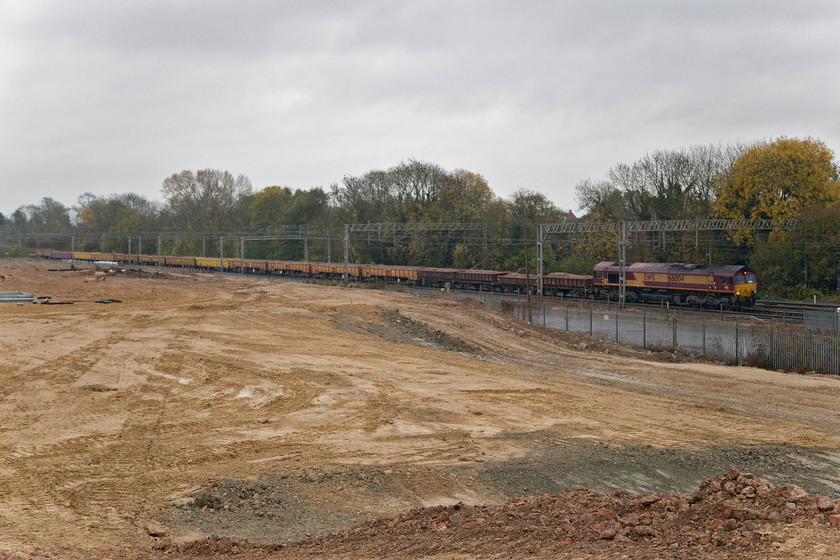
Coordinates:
672 278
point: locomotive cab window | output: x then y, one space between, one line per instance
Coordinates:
740 279
751 279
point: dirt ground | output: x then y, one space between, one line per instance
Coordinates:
276 411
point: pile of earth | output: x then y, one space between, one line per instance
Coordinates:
736 515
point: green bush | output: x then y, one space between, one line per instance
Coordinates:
19 251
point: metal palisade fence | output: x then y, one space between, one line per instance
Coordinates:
826 319
767 346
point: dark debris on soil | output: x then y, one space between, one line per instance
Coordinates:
419 331
731 516
141 273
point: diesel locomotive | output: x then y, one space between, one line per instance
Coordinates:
679 283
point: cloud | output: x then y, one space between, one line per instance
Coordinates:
114 97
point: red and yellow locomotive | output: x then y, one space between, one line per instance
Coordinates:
690 284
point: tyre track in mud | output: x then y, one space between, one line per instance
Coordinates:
92 478
99 475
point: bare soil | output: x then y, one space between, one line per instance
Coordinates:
362 422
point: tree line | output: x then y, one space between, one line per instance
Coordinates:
784 178
787 178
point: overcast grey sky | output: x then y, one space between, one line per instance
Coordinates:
113 97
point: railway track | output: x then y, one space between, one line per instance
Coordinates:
795 312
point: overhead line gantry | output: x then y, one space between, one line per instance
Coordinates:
623 228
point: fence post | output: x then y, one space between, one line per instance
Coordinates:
737 354
567 319
674 328
616 326
807 346
590 321
644 331
772 348
704 338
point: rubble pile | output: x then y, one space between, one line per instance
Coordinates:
731 516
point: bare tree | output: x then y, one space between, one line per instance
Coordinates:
208 199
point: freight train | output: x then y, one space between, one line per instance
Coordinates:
730 286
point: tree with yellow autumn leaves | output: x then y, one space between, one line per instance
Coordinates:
777 180
786 179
